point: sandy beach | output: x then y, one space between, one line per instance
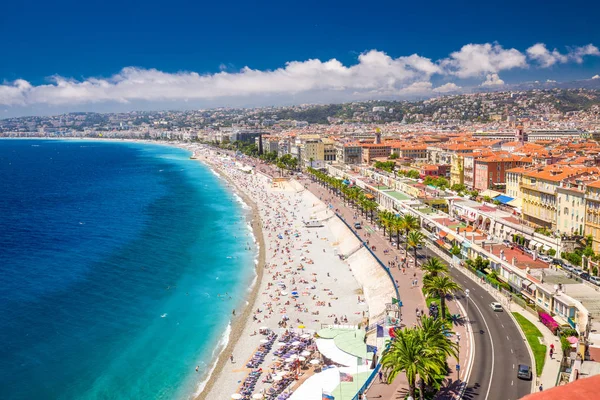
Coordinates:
302 282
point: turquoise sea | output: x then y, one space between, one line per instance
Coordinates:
113 260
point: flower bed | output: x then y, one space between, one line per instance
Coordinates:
548 321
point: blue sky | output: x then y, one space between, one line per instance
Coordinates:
68 55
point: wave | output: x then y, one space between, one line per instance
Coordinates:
239 200
223 342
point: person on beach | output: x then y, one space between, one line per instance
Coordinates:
231 358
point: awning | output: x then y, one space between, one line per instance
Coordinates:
504 199
442 234
466 244
440 242
448 246
450 237
516 203
533 244
328 349
489 193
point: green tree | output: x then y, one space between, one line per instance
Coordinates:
478 264
414 240
434 266
440 286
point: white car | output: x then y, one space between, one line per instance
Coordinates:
496 306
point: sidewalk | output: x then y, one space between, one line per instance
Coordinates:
551 366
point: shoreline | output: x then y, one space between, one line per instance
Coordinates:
240 321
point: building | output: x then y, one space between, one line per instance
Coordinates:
348 153
313 153
538 192
491 171
457 170
371 151
592 213
570 196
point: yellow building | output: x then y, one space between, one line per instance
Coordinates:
538 192
592 213
313 153
457 170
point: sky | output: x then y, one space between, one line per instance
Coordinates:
65 56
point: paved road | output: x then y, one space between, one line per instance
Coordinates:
499 347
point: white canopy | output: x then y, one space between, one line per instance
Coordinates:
325 381
328 349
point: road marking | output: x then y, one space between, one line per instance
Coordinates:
511 350
502 324
507 338
492 342
513 366
512 383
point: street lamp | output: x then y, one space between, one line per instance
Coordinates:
467 291
458 356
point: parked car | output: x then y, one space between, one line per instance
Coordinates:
545 259
567 267
585 275
595 280
357 225
558 261
496 306
507 243
524 372
577 271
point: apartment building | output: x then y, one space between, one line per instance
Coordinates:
592 213
372 150
348 153
417 152
313 153
570 195
538 192
457 170
491 171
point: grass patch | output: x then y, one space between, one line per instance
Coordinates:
532 334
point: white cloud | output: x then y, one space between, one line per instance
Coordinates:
546 58
374 75
596 77
446 88
492 80
474 60
577 53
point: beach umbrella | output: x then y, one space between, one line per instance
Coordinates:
277 378
280 344
289 360
257 396
305 353
315 362
284 293
236 396
572 339
305 336
262 328
296 343
264 341
302 359
301 327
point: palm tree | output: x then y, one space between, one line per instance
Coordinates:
414 240
408 223
434 266
407 354
419 352
440 286
385 219
370 206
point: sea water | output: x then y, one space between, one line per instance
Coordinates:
120 264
